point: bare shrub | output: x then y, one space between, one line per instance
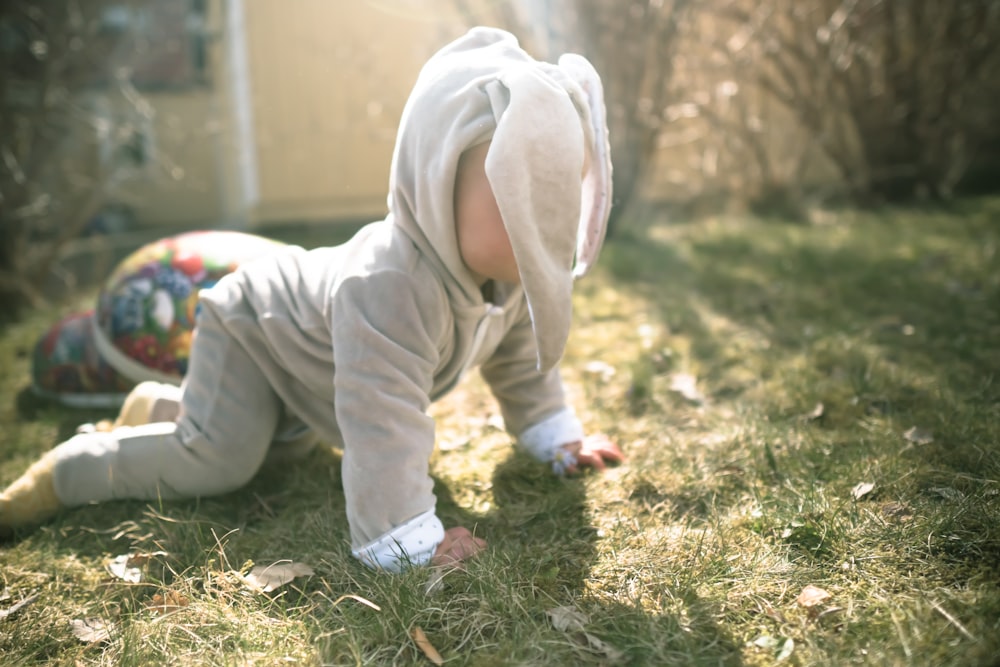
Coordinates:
66 71
896 94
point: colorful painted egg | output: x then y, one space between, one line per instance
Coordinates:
144 320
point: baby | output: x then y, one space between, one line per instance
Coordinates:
499 197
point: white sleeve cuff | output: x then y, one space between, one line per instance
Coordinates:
406 545
544 438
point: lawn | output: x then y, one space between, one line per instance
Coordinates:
811 415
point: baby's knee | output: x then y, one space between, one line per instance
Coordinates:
218 465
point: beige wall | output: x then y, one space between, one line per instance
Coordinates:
328 84
314 115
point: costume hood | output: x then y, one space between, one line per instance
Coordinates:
548 166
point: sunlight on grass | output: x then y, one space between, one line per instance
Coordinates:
755 372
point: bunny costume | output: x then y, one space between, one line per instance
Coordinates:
353 342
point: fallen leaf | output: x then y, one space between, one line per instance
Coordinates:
128 567
435 582
947 493
786 650
685 384
599 368
816 413
121 568
14 608
862 489
91 630
647 335
167 602
600 646
812 596
495 421
918 436
457 442
766 641
266 578
420 639
897 511
567 619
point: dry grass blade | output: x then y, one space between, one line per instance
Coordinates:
954 621
424 644
14 608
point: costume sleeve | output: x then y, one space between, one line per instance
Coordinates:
533 403
385 338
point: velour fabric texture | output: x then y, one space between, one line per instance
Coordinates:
355 341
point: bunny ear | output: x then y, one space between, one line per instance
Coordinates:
596 194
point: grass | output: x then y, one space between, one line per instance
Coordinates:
815 348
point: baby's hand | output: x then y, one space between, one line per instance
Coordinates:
592 452
458 544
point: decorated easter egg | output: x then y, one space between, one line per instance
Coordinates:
143 324
67 367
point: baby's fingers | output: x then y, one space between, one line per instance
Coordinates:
602 447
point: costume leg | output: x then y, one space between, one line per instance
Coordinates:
227 420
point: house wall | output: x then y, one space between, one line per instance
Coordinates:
296 119
327 87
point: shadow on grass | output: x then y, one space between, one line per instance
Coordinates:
544 525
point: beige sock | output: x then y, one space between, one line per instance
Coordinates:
31 498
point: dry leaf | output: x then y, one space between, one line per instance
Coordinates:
435 582
495 421
266 578
897 511
567 619
766 641
816 413
420 639
128 567
862 489
599 368
947 493
167 602
571 620
786 650
918 436
685 384
812 596
14 608
91 630
600 646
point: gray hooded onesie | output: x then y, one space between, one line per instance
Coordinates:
356 340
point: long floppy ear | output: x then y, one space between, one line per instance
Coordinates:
596 195
534 165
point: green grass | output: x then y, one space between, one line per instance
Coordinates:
692 553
